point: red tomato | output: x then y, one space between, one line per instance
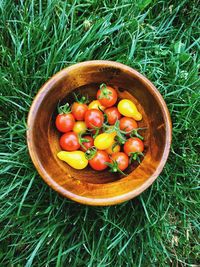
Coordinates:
133 145
69 141
127 124
65 122
89 144
107 95
113 115
98 161
94 118
79 110
122 160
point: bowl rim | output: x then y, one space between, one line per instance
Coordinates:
87 200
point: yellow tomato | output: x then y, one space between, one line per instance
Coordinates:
95 104
80 127
75 159
128 109
104 140
113 149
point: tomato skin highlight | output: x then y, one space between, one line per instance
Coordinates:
98 162
122 160
94 118
107 96
127 124
112 115
65 122
133 145
79 110
89 144
69 141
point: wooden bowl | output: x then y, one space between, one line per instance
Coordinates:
88 186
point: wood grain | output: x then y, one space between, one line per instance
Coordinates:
88 186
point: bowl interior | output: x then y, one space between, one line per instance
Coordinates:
88 186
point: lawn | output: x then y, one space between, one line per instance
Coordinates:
160 39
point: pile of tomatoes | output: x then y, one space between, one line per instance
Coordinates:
102 133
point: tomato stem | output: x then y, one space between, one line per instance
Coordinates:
81 99
135 133
121 134
104 91
120 138
90 153
82 140
99 108
136 156
113 146
97 129
97 132
64 109
114 167
105 119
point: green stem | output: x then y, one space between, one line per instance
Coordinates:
81 99
104 91
82 140
97 129
136 156
114 167
90 153
64 109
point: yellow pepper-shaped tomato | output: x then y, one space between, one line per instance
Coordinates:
104 140
113 148
128 109
75 159
95 104
79 127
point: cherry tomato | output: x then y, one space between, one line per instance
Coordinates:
113 115
69 141
94 118
133 145
65 122
87 145
107 95
79 110
75 159
98 161
122 160
127 124
95 104
113 148
104 140
127 108
79 127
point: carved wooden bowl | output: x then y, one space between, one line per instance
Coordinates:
88 186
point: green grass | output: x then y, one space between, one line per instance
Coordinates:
161 40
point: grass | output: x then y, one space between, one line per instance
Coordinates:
161 40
